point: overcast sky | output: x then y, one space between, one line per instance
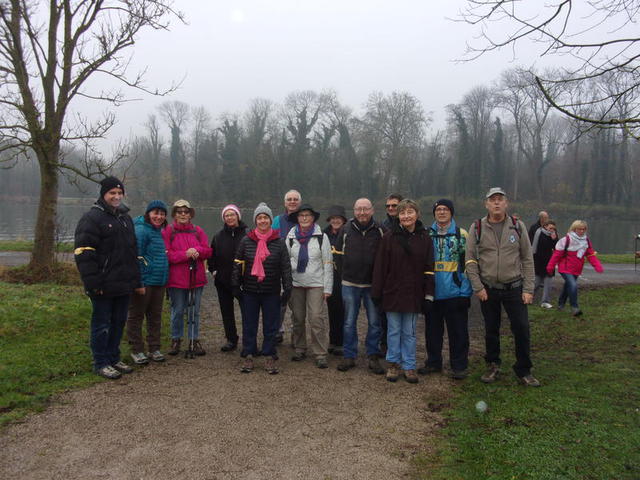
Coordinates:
232 51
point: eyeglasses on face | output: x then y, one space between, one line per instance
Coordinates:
292 199
305 215
183 212
391 205
362 209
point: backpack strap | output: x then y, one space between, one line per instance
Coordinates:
174 233
516 225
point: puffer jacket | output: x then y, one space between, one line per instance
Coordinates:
277 267
224 246
319 271
570 263
178 238
106 252
448 252
152 253
403 271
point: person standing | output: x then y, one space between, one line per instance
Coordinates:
154 267
357 250
403 285
500 268
452 292
312 273
542 219
544 241
261 268
223 247
337 218
391 207
106 254
187 248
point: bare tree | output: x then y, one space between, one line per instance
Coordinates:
594 39
176 114
47 56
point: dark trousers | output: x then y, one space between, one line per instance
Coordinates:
454 312
251 306
519 320
225 298
107 325
335 308
149 305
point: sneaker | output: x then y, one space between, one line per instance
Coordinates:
576 312
279 338
546 305
393 372
411 376
346 364
459 374
298 356
122 367
321 362
175 346
491 375
139 358
109 372
156 356
197 348
270 366
529 381
560 308
374 365
229 347
429 369
247 365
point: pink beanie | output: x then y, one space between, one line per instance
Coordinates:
233 207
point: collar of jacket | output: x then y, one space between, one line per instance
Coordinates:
274 235
240 228
101 205
452 227
400 230
363 228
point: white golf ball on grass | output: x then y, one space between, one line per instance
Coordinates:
482 406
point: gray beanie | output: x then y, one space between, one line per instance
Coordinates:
262 208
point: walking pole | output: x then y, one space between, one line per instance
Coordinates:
191 302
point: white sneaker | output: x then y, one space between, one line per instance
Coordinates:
109 372
546 305
156 356
139 358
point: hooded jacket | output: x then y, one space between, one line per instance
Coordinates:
448 252
178 238
152 253
224 246
319 271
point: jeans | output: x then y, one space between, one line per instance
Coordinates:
353 297
179 303
252 303
225 299
570 290
107 325
519 319
454 312
149 305
401 339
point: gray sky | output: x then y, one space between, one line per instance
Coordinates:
233 51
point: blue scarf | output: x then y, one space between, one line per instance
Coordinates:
303 254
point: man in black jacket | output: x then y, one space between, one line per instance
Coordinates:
106 256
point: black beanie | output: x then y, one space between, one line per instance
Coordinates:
108 183
443 202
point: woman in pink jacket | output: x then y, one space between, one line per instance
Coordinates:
187 249
570 254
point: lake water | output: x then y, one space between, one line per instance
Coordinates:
17 220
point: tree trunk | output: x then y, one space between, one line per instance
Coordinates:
43 255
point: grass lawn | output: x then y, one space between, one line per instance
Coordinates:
27 246
617 257
583 423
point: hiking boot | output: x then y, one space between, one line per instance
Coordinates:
156 356
197 348
393 372
270 366
298 356
175 346
139 358
546 305
346 364
491 375
576 312
529 381
122 367
279 338
374 365
411 376
109 372
337 351
459 374
429 369
247 365
229 347
321 362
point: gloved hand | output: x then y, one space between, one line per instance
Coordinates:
377 301
237 293
427 306
284 298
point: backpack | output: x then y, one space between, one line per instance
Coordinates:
320 238
174 233
567 240
478 229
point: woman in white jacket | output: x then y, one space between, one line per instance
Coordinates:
312 271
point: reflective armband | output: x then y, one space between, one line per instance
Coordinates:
80 250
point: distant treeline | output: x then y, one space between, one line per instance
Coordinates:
504 134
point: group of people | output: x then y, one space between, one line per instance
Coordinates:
398 269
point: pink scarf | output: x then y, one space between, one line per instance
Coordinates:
262 252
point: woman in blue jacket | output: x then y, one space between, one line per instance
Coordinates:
154 269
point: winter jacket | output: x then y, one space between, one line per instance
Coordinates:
178 238
224 246
390 222
277 267
449 254
106 252
403 272
282 224
356 249
569 262
152 254
543 254
490 262
319 271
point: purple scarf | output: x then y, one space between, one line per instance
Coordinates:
303 254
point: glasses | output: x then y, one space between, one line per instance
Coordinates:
293 199
391 205
305 215
183 212
361 209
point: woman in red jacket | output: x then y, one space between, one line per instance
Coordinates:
187 249
570 254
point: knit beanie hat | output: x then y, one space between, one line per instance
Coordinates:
443 202
262 208
109 183
156 204
233 207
